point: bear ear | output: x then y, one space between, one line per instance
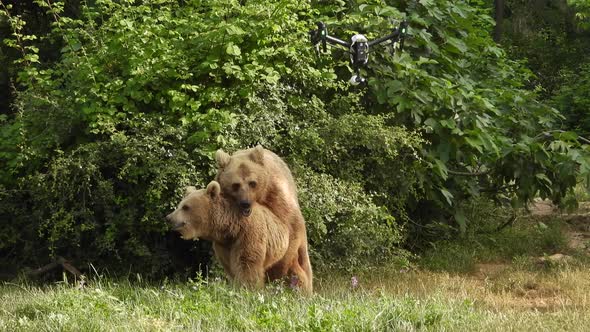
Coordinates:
221 158
213 189
189 190
257 155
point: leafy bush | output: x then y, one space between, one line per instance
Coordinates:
103 202
142 96
144 92
348 229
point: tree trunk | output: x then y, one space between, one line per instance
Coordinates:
499 16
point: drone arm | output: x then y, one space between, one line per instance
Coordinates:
337 41
321 36
397 35
394 35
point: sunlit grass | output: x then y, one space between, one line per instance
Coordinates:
512 299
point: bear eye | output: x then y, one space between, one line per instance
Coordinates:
252 184
185 207
235 186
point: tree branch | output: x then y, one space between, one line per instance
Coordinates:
509 222
548 133
468 173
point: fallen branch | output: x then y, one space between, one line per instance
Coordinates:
59 261
509 222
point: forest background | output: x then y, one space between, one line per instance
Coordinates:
109 108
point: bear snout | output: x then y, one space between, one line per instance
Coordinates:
175 224
246 208
245 205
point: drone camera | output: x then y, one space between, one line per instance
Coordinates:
359 50
357 79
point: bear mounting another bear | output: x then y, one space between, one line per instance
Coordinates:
251 248
258 175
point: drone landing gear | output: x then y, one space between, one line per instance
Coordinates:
357 79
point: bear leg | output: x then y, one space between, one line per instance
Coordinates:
248 270
223 255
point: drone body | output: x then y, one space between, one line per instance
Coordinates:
358 46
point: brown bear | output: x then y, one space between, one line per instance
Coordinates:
246 246
258 175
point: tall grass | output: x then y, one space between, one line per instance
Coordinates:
384 301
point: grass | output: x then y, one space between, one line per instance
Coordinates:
415 300
494 284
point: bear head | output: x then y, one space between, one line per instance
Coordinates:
243 177
192 216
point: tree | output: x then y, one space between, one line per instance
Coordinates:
499 17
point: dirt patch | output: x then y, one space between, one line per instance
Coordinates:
504 287
578 223
542 208
579 241
578 232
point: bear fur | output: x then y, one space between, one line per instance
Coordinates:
258 175
246 246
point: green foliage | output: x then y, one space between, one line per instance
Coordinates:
143 92
545 34
487 134
487 241
94 146
104 201
573 99
582 8
349 230
553 42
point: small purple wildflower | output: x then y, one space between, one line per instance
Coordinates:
294 281
354 282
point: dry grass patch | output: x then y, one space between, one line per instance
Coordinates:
494 286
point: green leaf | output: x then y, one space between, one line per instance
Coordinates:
441 169
475 142
233 49
447 195
432 122
393 87
543 178
457 44
448 123
234 30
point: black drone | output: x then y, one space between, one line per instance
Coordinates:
358 46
